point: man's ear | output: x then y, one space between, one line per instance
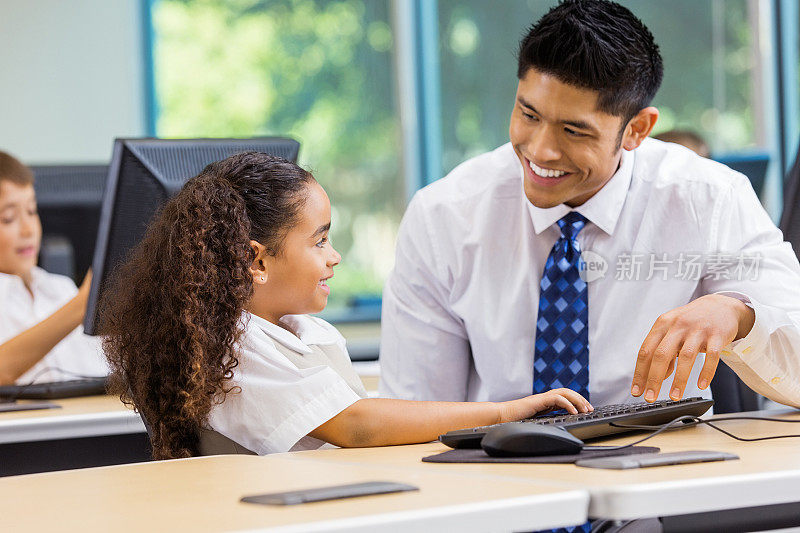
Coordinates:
258 268
639 127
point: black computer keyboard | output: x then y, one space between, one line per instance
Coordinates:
56 389
599 423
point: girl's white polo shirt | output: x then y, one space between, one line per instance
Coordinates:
290 384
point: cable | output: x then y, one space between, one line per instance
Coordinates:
690 421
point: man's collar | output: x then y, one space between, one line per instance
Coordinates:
602 209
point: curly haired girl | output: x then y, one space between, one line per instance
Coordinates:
206 328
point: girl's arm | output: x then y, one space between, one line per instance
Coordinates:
20 353
382 422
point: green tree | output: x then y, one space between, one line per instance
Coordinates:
315 70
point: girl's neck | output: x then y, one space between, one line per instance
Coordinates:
270 317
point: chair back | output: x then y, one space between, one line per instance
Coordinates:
730 393
211 442
790 219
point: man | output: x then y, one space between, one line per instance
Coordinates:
583 254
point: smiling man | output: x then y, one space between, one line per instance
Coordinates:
583 254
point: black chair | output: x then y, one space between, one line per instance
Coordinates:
730 393
211 442
790 220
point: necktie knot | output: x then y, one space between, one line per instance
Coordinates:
571 224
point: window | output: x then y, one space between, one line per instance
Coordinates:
318 71
711 83
326 72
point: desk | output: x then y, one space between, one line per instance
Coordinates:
767 473
89 416
89 431
202 494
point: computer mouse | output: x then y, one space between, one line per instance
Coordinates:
526 439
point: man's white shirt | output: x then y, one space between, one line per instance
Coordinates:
460 307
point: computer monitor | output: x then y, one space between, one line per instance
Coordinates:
143 175
69 199
754 166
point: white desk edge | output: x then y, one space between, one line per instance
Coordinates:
554 510
70 426
666 498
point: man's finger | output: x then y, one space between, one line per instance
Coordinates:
713 349
670 368
645 356
663 354
685 362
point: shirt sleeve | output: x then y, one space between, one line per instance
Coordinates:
762 271
278 403
425 353
6 329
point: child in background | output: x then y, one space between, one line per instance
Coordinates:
40 313
207 333
687 138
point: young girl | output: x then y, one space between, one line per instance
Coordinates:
207 332
39 312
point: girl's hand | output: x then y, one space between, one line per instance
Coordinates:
541 403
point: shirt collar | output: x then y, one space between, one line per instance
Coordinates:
602 209
38 282
308 332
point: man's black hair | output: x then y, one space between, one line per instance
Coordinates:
597 45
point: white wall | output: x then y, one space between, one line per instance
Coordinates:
71 78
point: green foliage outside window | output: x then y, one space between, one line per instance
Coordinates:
479 39
321 72
318 71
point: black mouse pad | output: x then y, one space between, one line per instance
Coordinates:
480 456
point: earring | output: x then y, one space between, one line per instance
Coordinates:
262 279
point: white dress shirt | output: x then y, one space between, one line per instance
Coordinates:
281 402
460 307
76 355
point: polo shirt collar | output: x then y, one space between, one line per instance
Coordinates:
39 283
308 332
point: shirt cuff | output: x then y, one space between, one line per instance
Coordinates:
758 336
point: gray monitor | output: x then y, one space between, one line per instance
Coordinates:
143 175
753 165
69 199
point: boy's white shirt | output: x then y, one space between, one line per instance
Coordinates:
76 355
279 403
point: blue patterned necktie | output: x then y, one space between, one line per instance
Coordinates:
562 329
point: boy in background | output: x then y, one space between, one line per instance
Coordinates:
40 312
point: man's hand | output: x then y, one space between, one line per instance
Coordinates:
704 325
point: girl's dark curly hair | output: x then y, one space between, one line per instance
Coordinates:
171 316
